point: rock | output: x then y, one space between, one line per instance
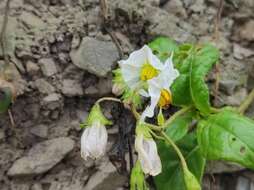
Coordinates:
165 24
217 167
52 101
246 31
44 87
102 88
241 52
228 86
32 21
175 7
32 68
243 183
95 56
42 157
237 98
107 178
40 131
48 66
71 88
198 6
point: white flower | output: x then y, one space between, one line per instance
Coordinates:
94 141
141 66
148 155
159 88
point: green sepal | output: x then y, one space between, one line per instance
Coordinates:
143 128
137 181
96 115
160 118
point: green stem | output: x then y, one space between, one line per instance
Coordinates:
135 113
178 113
246 103
183 162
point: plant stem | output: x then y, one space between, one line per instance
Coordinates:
183 162
108 99
246 103
135 113
178 113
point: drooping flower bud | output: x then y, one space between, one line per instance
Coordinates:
94 138
137 181
147 151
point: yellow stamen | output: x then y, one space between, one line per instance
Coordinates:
148 72
165 98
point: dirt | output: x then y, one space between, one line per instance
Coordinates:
45 40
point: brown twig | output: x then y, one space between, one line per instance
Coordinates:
106 26
217 37
2 35
11 118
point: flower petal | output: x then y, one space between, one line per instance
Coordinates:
94 141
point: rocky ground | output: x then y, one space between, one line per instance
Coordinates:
61 57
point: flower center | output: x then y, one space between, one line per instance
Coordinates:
165 98
148 72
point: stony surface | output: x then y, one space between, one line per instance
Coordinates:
95 56
42 157
61 59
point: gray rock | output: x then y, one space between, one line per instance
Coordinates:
42 157
52 101
165 24
32 68
71 88
246 31
95 56
40 131
243 183
175 7
48 66
217 167
241 52
107 178
44 87
103 87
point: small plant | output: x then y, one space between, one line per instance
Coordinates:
173 150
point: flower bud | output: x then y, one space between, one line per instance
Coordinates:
94 138
94 141
147 152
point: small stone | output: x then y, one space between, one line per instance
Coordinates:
42 157
32 68
107 178
246 31
52 101
241 52
237 98
40 131
71 88
242 183
44 87
95 56
48 67
37 186
2 135
228 86
175 7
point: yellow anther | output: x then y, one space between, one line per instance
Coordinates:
165 98
148 72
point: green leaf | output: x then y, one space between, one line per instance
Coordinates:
5 99
172 177
202 63
179 127
227 136
190 180
163 47
181 91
